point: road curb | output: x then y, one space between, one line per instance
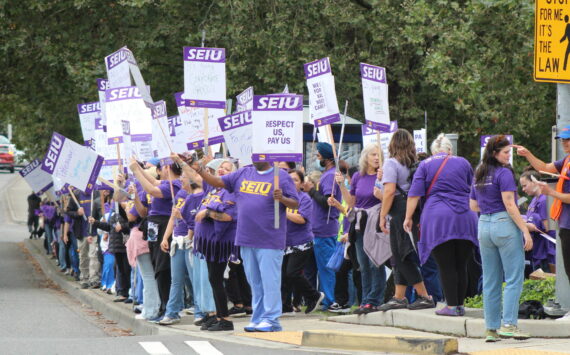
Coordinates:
125 318
380 342
472 327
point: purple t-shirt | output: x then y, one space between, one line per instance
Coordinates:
190 208
298 234
564 220
536 212
180 226
394 172
488 196
322 229
163 206
143 196
254 200
362 187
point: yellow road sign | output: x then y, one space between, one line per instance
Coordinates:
552 41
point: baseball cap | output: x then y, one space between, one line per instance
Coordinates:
564 133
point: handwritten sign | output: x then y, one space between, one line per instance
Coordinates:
369 136
485 139
39 180
323 106
126 104
120 66
88 113
277 128
420 138
102 85
192 129
245 100
375 94
72 163
237 130
205 77
162 140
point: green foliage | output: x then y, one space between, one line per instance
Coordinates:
467 63
533 290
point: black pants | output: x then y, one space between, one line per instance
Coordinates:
341 285
565 245
160 262
237 287
216 278
123 274
451 258
33 223
292 278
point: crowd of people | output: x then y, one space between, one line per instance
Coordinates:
412 230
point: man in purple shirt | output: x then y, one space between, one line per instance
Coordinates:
261 245
325 227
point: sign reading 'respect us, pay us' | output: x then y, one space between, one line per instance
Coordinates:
552 41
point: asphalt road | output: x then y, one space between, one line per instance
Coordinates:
38 318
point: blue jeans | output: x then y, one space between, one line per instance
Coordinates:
137 286
61 254
203 296
73 254
373 278
263 271
179 266
108 273
151 300
502 255
324 249
49 237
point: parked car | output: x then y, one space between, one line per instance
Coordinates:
7 151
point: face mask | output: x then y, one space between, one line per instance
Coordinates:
319 165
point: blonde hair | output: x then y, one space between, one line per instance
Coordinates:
363 160
441 144
234 168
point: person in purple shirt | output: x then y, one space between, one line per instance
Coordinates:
161 191
448 226
561 193
396 181
493 195
261 245
360 198
543 254
299 244
325 226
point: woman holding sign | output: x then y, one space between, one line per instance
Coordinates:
500 233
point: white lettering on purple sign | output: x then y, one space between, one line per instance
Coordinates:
53 152
236 120
89 107
317 67
205 54
102 84
123 93
278 102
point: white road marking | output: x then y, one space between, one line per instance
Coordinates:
155 348
203 348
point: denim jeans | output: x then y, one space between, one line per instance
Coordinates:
263 271
73 254
108 272
49 237
324 249
373 278
151 300
502 256
203 295
178 269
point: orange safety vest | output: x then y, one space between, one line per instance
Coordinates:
556 208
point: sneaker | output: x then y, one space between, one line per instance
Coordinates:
313 304
189 310
237 311
221 325
250 328
359 310
139 316
84 285
202 320
129 300
103 288
155 320
198 321
166 320
448 311
394 303
209 322
266 327
512 331
94 285
120 299
368 308
337 308
491 336
249 311
138 309
461 311
109 291
422 303
565 318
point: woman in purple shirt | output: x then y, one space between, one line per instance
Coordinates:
361 198
448 227
214 238
493 195
299 245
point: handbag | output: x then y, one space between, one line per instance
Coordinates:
337 258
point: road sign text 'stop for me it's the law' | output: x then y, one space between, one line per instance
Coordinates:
552 41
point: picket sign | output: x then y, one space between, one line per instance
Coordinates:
120 66
102 85
88 113
162 142
420 138
39 180
73 163
372 136
238 132
245 100
323 106
125 104
375 95
109 152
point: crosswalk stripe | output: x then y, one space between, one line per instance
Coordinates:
203 348
155 348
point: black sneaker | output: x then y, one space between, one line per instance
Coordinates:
368 308
394 303
202 320
422 303
237 311
337 308
221 325
248 311
209 322
314 303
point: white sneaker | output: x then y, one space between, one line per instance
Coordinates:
139 316
565 318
